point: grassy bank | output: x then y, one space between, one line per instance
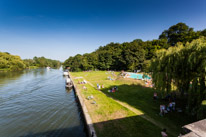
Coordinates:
113 116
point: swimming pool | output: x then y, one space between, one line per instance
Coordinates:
138 76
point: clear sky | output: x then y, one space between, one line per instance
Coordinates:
58 29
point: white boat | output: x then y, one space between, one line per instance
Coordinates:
69 83
66 73
69 86
68 80
48 68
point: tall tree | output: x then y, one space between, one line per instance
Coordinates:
179 33
185 68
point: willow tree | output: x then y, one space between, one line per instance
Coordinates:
185 68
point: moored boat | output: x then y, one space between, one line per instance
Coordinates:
66 73
69 83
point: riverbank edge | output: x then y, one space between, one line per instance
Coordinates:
9 70
88 121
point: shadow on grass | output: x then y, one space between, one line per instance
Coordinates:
141 98
134 126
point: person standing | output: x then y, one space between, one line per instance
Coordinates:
164 133
155 96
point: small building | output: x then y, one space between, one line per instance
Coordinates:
196 129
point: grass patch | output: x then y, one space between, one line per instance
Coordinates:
112 119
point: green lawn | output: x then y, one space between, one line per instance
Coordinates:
113 119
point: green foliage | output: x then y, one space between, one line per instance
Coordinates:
43 62
133 55
184 67
115 56
11 62
180 33
202 110
29 62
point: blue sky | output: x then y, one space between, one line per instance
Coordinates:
58 29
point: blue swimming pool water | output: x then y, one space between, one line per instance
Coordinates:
138 76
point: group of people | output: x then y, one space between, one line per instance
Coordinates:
169 108
111 72
165 109
126 75
82 82
109 78
149 83
100 86
114 89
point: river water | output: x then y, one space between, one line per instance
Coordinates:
36 103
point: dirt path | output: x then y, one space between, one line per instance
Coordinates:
90 83
138 112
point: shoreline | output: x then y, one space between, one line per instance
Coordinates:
87 119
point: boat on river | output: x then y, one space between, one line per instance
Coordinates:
66 72
69 83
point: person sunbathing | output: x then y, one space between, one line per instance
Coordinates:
84 87
84 81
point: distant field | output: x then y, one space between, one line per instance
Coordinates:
130 112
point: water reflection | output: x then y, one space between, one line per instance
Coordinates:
37 72
6 77
35 102
11 76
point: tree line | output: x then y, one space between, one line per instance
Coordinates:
14 62
132 55
42 62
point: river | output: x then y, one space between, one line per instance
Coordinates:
36 103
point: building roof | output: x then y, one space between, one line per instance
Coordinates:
191 134
198 129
